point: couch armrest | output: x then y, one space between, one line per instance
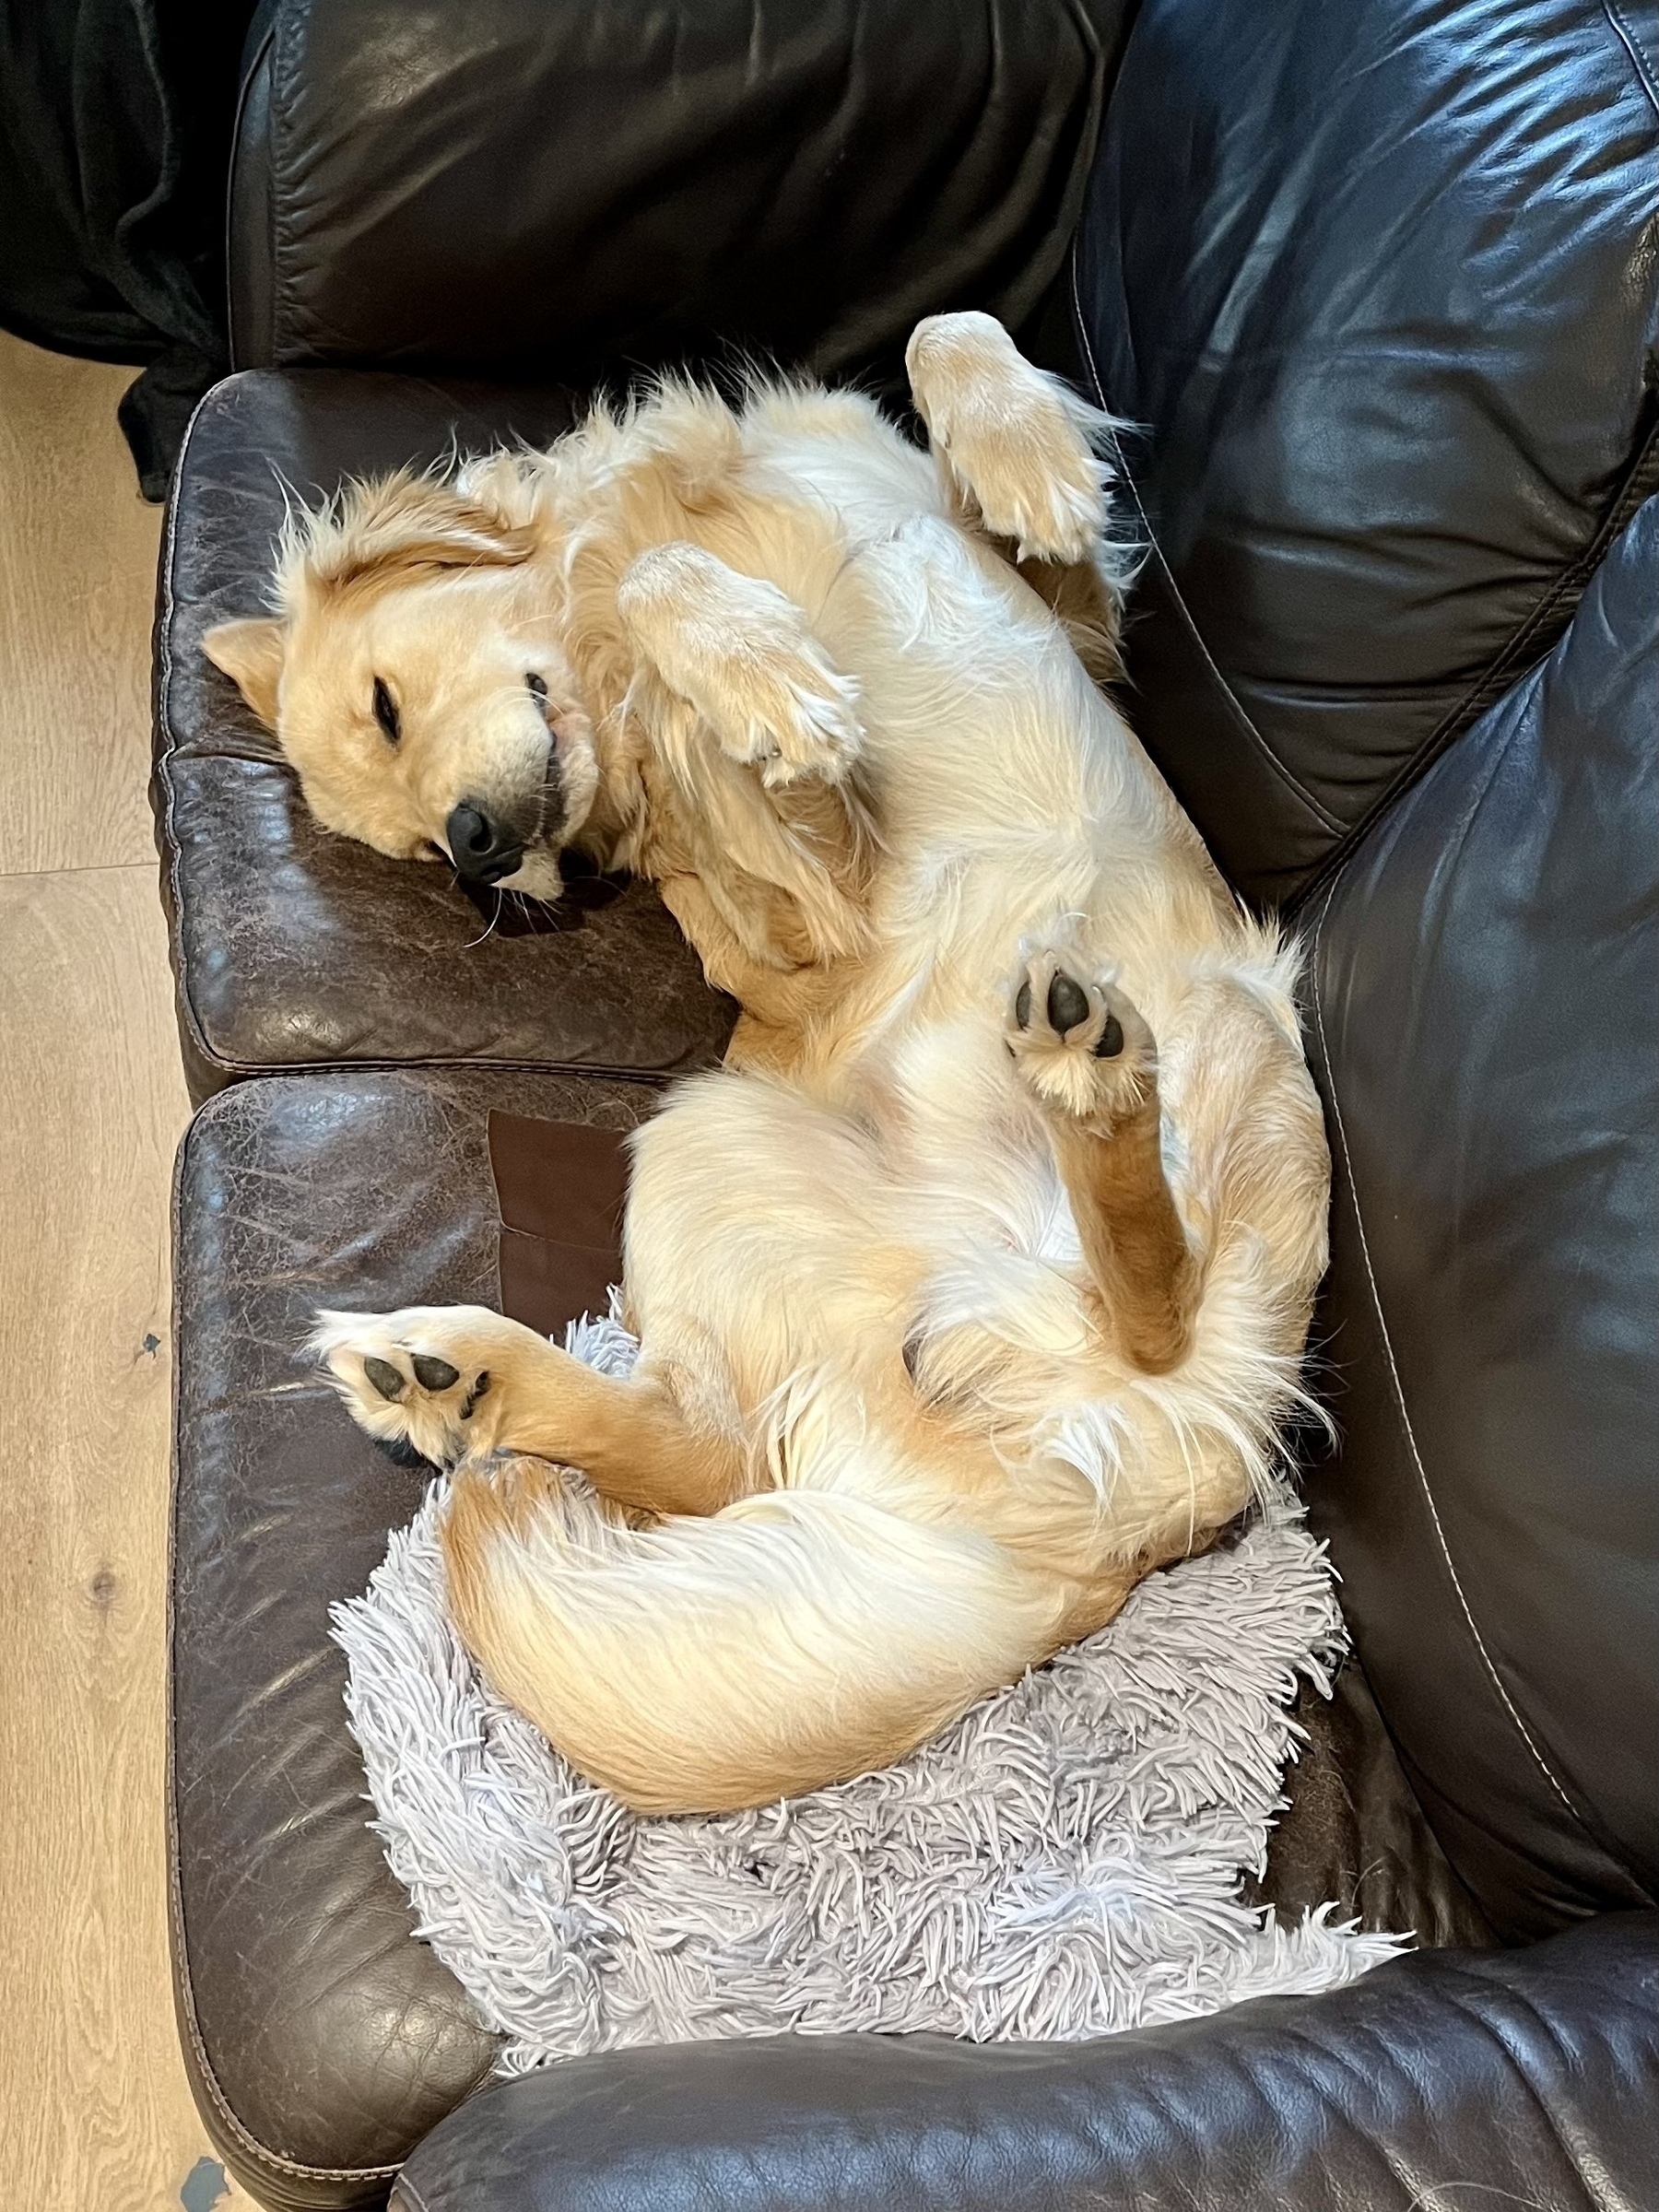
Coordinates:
1443 2080
520 188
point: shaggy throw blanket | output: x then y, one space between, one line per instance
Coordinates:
1063 1862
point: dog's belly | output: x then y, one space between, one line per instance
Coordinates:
776 1244
761 1239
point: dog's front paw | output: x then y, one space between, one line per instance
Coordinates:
744 656
1083 1047
1012 444
420 1380
1043 488
801 716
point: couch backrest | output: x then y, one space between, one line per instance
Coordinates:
1379 283
521 188
1484 1022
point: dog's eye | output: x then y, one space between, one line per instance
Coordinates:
385 712
536 686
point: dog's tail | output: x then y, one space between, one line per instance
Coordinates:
793 1639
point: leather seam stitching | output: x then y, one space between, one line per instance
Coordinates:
259 2152
1399 1389
405 2188
1647 71
1070 213
1324 818
647 1078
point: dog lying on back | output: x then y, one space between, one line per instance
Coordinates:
974 1286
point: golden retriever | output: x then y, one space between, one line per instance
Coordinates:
974 1286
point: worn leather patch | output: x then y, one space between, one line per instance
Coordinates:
561 1187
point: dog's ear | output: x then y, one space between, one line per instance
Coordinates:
396 524
251 655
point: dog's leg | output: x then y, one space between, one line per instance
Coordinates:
449 1382
777 1003
1091 1061
744 656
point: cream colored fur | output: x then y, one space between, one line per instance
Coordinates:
951 1326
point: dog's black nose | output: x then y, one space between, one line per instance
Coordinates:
482 849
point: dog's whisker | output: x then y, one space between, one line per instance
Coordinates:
489 926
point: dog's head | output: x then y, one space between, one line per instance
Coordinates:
413 678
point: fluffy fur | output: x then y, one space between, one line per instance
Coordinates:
975 1285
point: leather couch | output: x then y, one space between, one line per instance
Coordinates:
1374 286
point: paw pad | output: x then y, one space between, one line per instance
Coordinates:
1110 1042
1068 1005
418 1400
384 1377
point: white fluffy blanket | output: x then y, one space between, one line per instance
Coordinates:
1064 1862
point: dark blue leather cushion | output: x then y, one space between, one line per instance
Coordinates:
1378 279
1485 1023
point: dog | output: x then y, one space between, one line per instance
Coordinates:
975 1285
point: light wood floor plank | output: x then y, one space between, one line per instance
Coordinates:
78 573
95 2114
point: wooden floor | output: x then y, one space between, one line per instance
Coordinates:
95 2115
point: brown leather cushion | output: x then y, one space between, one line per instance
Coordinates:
323 2040
560 1190
292 949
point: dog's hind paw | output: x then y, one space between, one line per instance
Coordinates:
419 1380
1083 1047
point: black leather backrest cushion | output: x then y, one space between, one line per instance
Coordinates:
1485 1023
535 187
1377 278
